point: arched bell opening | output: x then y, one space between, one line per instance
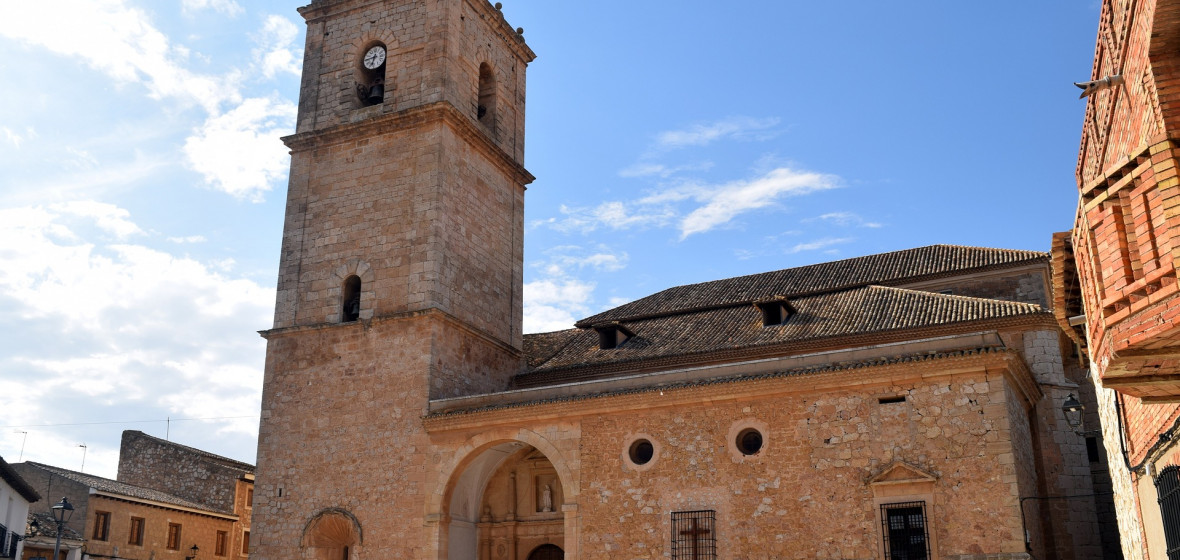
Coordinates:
507 503
350 301
332 534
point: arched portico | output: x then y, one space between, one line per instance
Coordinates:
511 482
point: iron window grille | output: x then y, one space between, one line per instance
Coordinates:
1167 487
4 542
906 533
693 535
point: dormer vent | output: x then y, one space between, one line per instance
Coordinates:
612 335
774 312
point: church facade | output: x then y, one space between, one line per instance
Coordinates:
900 405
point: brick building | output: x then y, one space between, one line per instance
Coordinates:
168 498
1115 272
901 405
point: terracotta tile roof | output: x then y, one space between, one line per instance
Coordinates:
855 311
47 527
542 346
116 487
898 267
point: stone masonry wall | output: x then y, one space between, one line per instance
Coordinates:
180 471
1027 287
422 40
805 495
341 428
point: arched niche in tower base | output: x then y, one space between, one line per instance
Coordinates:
501 496
331 534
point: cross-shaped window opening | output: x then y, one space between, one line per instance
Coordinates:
693 536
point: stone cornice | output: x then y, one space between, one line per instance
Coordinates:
322 9
366 324
867 374
438 112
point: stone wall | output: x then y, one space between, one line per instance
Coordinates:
808 492
1025 287
181 471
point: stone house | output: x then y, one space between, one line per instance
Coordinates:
120 520
900 405
1115 281
168 498
15 497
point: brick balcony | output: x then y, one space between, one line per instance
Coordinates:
1125 243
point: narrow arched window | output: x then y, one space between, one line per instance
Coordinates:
370 84
351 301
486 109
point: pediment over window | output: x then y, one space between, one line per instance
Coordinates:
898 472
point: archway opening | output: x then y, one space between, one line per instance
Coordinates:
547 552
331 535
506 504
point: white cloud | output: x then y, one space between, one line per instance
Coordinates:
724 203
240 152
119 41
695 207
818 244
107 217
227 7
741 128
846 219
188 239
108 329
613 215
15 138
553 304
275 53
648 169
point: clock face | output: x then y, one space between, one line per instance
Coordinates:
375 57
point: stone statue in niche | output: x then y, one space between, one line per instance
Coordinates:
547 499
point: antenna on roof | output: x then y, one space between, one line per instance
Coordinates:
22 443
83 446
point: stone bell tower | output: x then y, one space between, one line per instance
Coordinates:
401 269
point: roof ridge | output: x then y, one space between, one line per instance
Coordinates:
71 474
931 261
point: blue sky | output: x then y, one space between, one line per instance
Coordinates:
142 180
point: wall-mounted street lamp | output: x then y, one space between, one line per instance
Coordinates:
1073 416
62 512
194 550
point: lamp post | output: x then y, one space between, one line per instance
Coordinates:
1072 409
62 511
194 550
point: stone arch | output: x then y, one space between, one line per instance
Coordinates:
452 508
332 534
362 270
487 95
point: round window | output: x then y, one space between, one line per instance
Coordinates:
641 452
749 441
